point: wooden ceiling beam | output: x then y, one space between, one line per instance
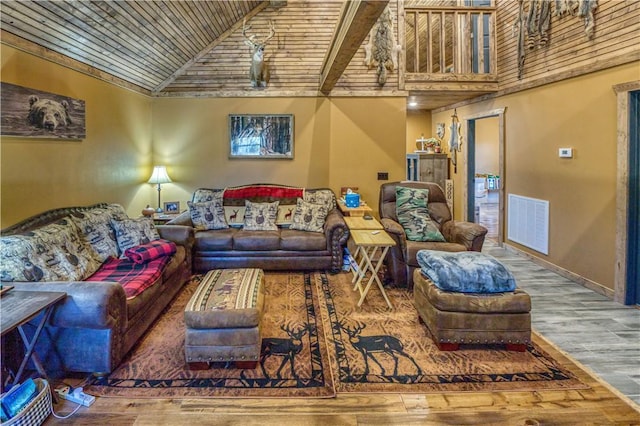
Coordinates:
357 17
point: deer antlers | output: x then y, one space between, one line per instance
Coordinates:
252 39
294 330
352 331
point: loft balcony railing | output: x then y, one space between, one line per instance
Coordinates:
449 44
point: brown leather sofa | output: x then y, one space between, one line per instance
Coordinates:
401 260
282 249
95 326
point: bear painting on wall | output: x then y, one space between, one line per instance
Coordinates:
32 113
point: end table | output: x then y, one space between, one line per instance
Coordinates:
20 307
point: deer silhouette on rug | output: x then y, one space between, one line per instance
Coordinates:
369 346
286 348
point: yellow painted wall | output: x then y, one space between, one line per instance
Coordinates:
338 142
578 113
487 146
367 137
418 124
109 165
191 137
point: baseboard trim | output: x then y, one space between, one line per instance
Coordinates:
585 282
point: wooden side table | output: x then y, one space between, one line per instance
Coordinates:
20 307
359 222
354 211
162 218
368 243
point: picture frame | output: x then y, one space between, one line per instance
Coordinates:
171 207
263 136
31 113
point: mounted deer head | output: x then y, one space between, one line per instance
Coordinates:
259 71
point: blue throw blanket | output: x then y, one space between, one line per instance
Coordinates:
466 272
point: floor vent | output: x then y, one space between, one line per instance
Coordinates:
528 222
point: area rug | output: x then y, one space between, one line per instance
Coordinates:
375 349
362 349
297 367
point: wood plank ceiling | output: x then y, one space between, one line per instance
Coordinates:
196 48
142 42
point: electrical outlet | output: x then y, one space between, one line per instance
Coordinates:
383 175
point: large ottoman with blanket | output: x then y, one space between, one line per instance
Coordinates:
470 298
222 319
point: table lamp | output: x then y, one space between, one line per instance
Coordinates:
159 176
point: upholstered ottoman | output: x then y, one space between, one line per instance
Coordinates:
222 318
456 317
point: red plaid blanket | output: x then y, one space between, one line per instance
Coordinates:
134 277
150 251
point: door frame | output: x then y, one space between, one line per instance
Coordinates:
622 190
468 157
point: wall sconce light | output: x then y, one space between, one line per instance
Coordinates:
159 176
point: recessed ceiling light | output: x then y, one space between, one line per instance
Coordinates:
413 104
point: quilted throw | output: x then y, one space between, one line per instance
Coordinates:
150 251
134 277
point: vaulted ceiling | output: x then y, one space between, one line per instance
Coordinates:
196 48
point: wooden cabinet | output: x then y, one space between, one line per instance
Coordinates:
428 168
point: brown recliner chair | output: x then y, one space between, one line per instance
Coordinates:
401 260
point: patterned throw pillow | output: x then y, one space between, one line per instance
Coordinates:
209 214
309 216
54 252
234 215
413 215
465 272
134 232
202 195
260 216
321 196
95 229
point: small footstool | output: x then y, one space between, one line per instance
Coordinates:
455 318
222 319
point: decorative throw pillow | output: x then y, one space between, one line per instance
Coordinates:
20 261
234 215
321 196
309 216
134 232
95 229
202 195
285 214
209 214
413 215
54 252
260 216
465 272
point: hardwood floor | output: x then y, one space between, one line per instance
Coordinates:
598 332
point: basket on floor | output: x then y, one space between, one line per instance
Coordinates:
37 410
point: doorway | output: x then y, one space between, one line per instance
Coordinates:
484 175
633 220
627 272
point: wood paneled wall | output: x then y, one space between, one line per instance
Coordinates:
295 55
569 52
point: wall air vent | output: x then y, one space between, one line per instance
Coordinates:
528 222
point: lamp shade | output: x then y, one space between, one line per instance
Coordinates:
159 175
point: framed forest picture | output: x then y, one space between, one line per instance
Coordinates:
261 136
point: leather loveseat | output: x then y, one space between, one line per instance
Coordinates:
95 326
279 249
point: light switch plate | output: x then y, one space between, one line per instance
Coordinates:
565 152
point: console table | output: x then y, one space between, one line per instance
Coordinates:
20 307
